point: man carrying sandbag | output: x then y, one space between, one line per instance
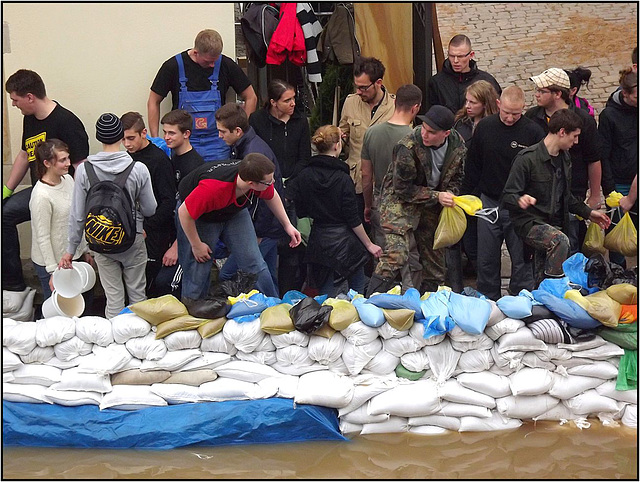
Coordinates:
424 175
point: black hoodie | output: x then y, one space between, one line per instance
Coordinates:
619 131
447 87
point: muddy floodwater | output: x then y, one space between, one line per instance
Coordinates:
544 450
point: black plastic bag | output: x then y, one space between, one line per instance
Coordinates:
603 274
209 308
539 312
308 315
241 282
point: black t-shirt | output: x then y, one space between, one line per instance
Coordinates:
185 163
60 124
167 78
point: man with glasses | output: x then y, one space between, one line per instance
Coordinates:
551 95
233 127
459 70
371 104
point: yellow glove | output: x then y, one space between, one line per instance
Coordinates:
6 192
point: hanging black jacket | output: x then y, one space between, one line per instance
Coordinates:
447 87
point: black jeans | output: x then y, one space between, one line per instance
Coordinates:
15 210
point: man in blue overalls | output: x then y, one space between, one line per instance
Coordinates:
198 80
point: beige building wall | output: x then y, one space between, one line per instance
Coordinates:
100 57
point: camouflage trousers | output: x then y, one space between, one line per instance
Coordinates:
398 244
552 249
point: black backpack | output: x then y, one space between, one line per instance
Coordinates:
110 219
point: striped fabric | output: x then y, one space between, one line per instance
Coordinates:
312 30
550 331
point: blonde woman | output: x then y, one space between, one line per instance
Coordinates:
480 102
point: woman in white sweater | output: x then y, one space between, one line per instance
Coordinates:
50 203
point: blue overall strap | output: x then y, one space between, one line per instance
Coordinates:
216 73
181 75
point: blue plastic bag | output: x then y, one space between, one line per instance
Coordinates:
436 306
437 326
574 269
410 300
255 305
555 286
293 296
516 307
568 311
470 314
161 143
369 314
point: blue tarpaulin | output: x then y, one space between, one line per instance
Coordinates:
273 420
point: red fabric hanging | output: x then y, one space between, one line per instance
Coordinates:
288 39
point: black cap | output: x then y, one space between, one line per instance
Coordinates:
109 129
438 117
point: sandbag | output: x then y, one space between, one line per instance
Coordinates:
147 347
517 307
19 337
94 329
591 402
470 314
180 323
343 313
443 360
525 407
496 386
473 361
292 338
131 397
567 310
566 387
245 337
623 238
360 334
603 308
326 350
211 327
383 363
400 319
157 310
72 348
530 381
128 325
207 308
276 320
415 362
54 330
183 340
624 293
308 315
407 400
369 314
218 344
324 388
453 391
355 357
409 300
452 223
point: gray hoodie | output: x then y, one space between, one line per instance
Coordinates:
107 165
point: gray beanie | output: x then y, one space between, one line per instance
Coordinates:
109 129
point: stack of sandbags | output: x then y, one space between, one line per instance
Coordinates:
18 305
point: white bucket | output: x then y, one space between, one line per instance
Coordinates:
57 305
67 282
87 274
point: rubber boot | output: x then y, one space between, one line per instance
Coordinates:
378 284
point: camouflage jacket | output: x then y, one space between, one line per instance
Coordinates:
405 190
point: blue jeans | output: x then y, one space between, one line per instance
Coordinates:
356 283
43 276
15 210
240 238
269 250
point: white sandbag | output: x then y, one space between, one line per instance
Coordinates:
415 362
132 364
608 389
224 389
295 370
553 354
37 375
175 393
360 416
264 357
452 391
573 362
39 354
458 410
383 363
481 342
183 340
496 315
449 423
360 334
350 428
386 331
427 430
193 378
218 344
324 388
20 337
591 402
507 325
15 392
73 379
106 359
400 346
355 357
531 381
495 386
603 352
494 423
147 347
246 336
531 360
173 361
266 344
511 360
598 369
435 339
10 361
521 340
127 326
326 350
338 366
443 360
525 407
285 386
558 413
566 387
70 398
630 416
295 355
393 425
12 301
131 397
206 360
411 399
26 311
583 345
64 364
245 371
54 330
294 337
417 333
94 329
474 361
366 387
72 348
502 371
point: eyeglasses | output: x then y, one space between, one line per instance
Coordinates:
265 183
458 57
543 91
363 88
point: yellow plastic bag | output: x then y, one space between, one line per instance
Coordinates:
576 296
343 313
242 296
624 293
623 238
593 241
276 320
613 199
158 310
212 327
451 226
604 308
181 323
401 319
470 204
